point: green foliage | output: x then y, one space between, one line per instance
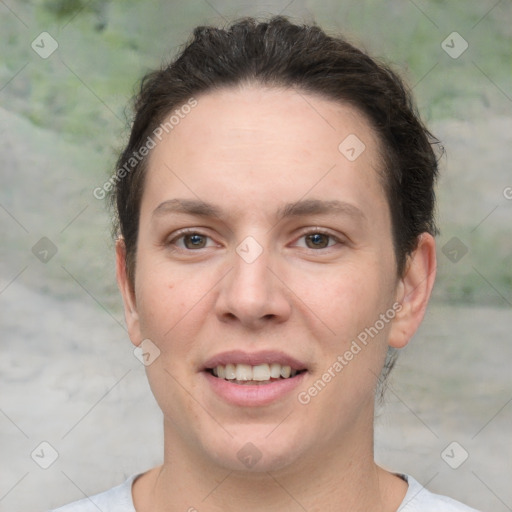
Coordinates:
64 9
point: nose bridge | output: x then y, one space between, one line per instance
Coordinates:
250 280
251 293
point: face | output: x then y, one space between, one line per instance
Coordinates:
265 277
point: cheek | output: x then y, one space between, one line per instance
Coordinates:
172 306
351 305
160 300
352 358
348 298
168 311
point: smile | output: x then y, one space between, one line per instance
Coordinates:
246 374
253 379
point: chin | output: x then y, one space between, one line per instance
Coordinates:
253 450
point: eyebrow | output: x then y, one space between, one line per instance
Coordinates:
188 207
319 207
303 207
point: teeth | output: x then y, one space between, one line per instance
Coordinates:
243 372
259 373
275 370
285 371
230 372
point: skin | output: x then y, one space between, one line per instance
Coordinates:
249 151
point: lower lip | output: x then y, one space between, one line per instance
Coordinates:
245 395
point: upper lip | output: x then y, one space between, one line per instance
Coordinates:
253 359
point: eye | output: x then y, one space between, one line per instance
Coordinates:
317 240
192 240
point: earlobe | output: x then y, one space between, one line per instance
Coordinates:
413 291
127 292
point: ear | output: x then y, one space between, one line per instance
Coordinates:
413 291
128 293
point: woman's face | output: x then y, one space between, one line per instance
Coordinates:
264 247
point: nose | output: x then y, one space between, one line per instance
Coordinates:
252 295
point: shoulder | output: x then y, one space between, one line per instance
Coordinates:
419 499
117 499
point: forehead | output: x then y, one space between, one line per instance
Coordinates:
268 147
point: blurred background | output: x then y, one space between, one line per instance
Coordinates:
68 69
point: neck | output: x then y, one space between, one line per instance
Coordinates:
343 479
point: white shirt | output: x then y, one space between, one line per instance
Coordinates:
119 499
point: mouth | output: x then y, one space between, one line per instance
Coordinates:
257 375
256 379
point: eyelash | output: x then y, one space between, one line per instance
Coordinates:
181 234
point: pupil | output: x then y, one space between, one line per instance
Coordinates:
196 240
318 240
